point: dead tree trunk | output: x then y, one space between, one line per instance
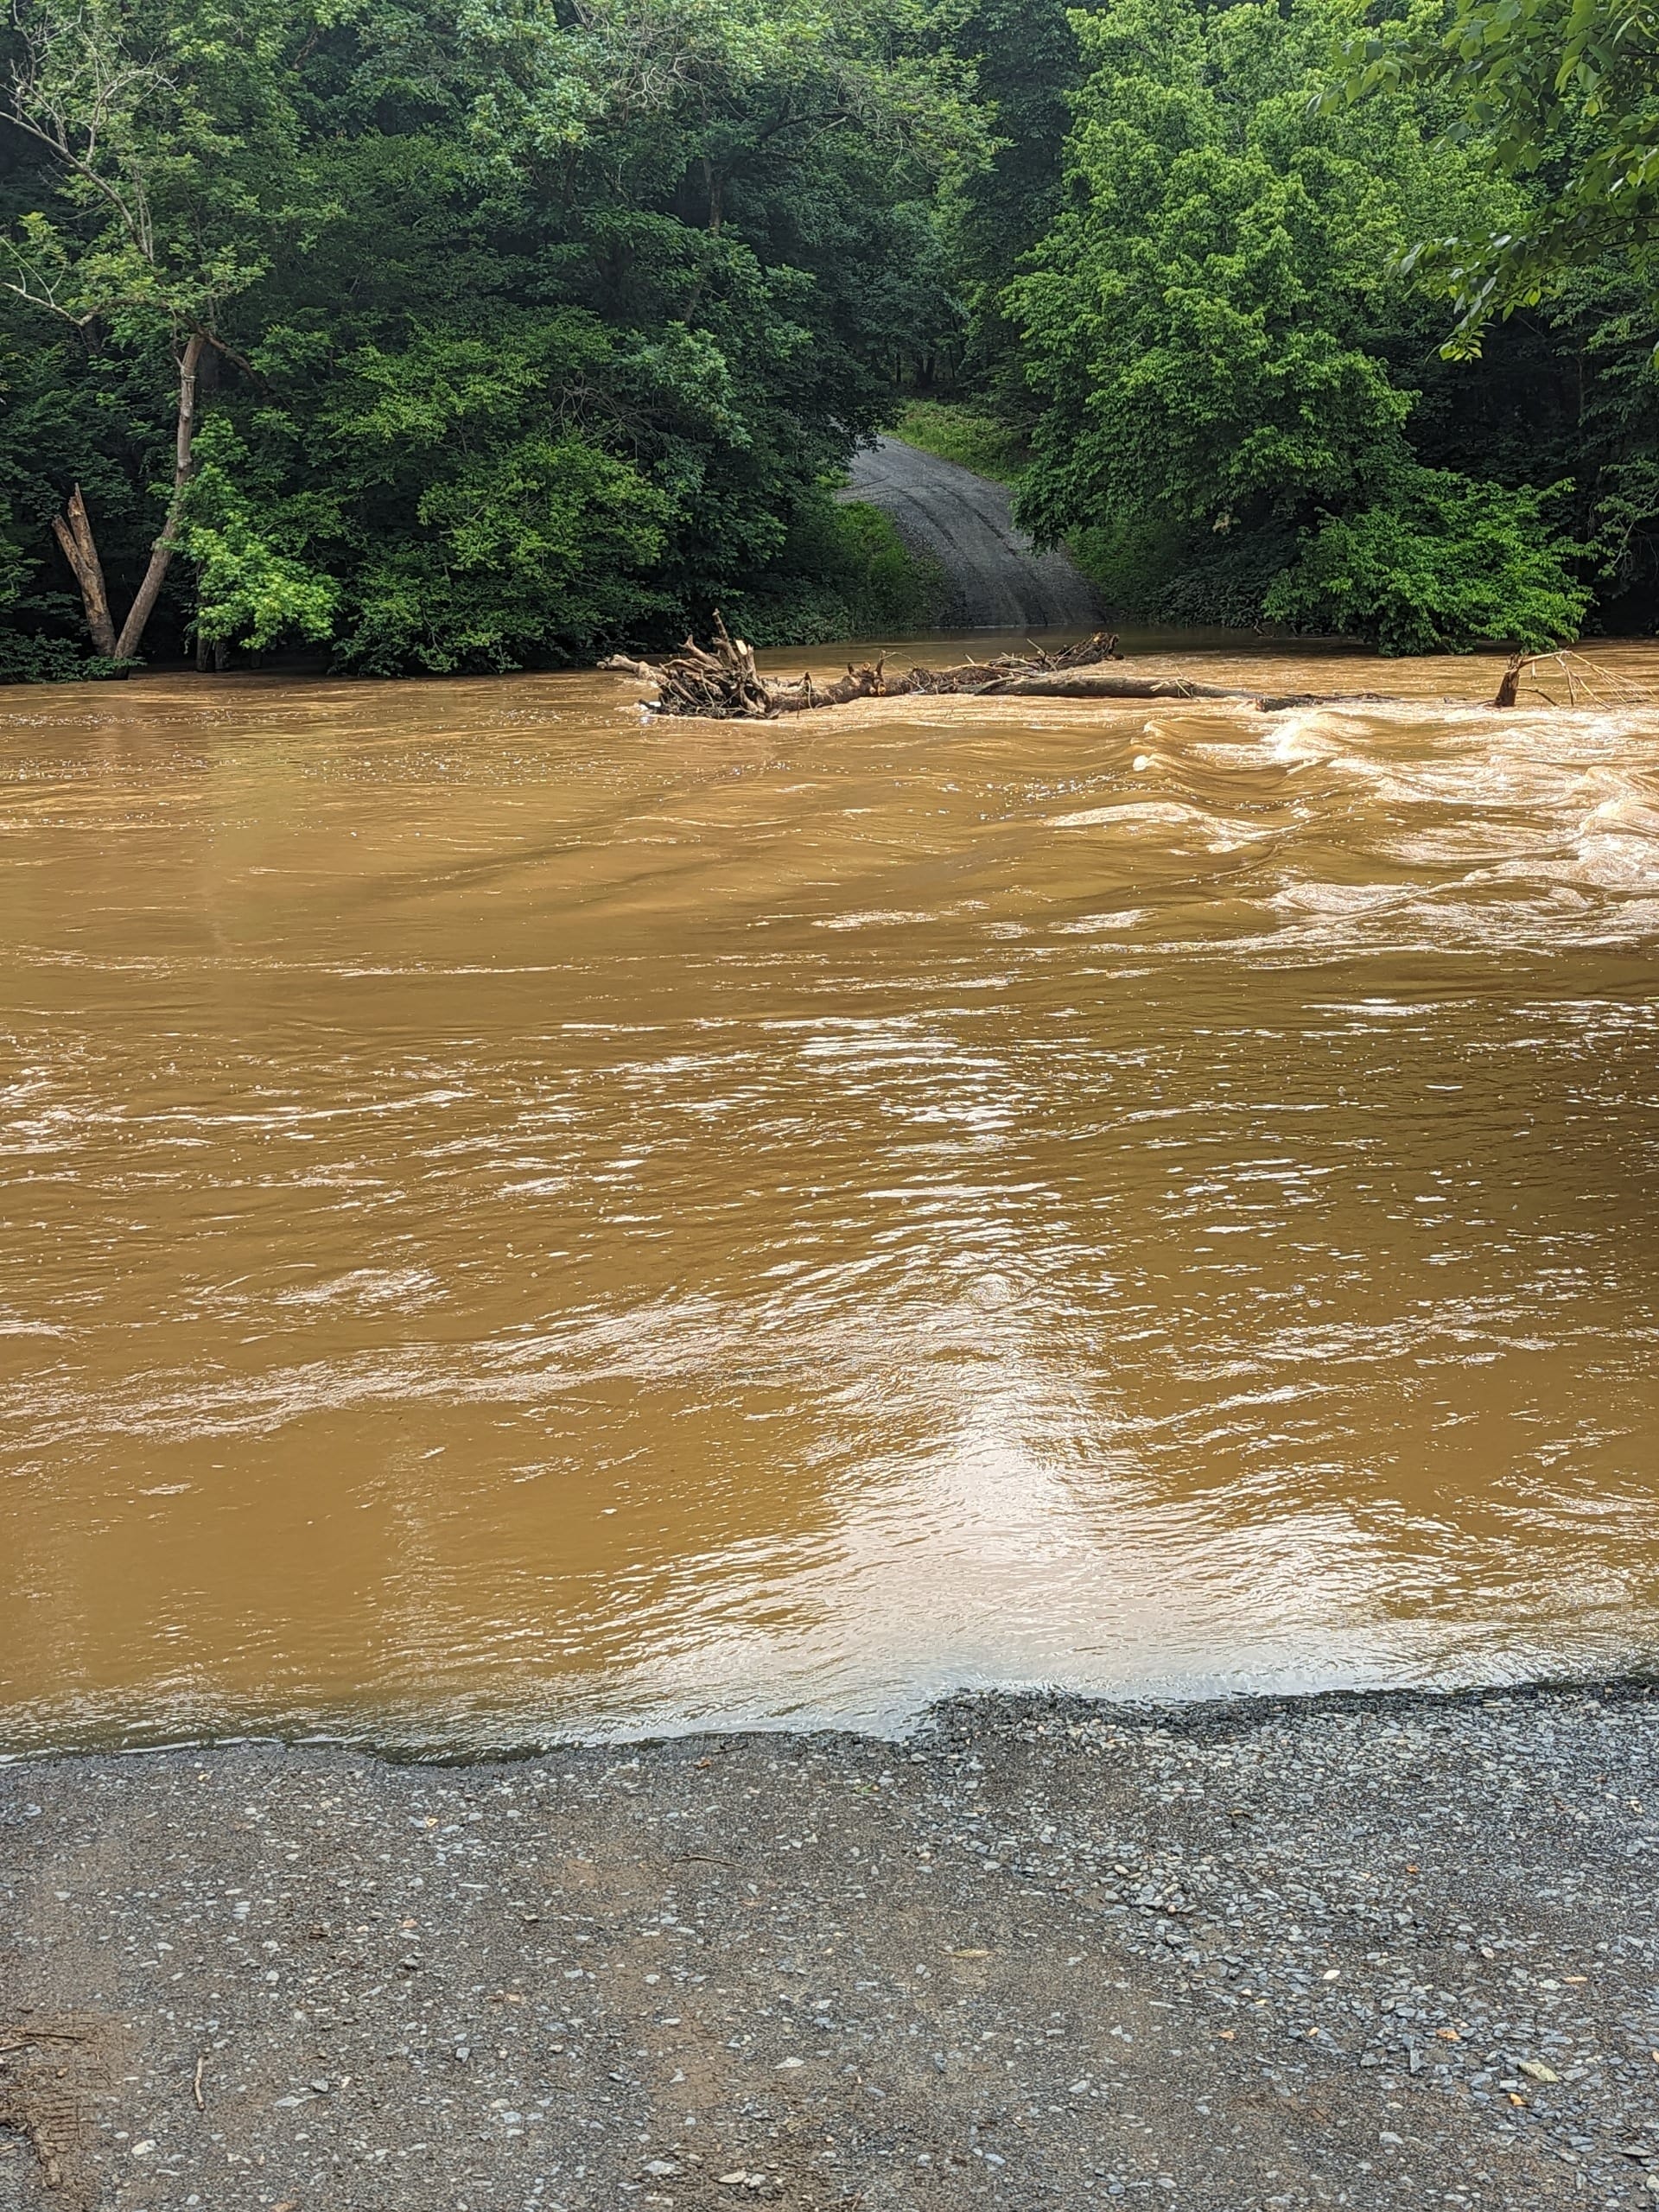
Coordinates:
76 536
73 532
161 553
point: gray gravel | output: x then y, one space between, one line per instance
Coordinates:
1373 1952
965 523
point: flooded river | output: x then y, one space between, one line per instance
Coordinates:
519 1220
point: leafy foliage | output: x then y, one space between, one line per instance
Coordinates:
977 441
1445 564
845 573
253 585
523 329
1025 54
1565 91
1231 355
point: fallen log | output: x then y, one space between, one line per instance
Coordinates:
723 685
1091 684
1099 684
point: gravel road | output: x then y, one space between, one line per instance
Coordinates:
964 522
1392 1951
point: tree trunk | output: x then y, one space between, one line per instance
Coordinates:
160 554
80 551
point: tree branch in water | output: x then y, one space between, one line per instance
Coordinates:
723 685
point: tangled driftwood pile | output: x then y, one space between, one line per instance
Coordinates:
723 683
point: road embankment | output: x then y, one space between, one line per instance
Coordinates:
1365 1951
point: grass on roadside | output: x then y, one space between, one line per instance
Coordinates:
846 573
962 434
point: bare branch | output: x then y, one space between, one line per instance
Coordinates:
72 92
41 293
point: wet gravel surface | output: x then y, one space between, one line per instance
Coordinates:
1374 1952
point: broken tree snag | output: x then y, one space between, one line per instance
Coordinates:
161 553
1587 683
79 548
723 683
74 531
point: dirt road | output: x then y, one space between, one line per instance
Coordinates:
965 523
1376 1953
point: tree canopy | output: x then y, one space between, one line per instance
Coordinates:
501 333
1562 92
1242 399
431 338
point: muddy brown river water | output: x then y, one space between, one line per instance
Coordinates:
516 1221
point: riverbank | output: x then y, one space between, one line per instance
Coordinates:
1349 1951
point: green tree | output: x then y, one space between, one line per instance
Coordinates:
1563 94
1026 57
161 139
1224 338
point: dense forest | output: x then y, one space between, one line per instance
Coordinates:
498 335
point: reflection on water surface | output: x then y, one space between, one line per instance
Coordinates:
517 1221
